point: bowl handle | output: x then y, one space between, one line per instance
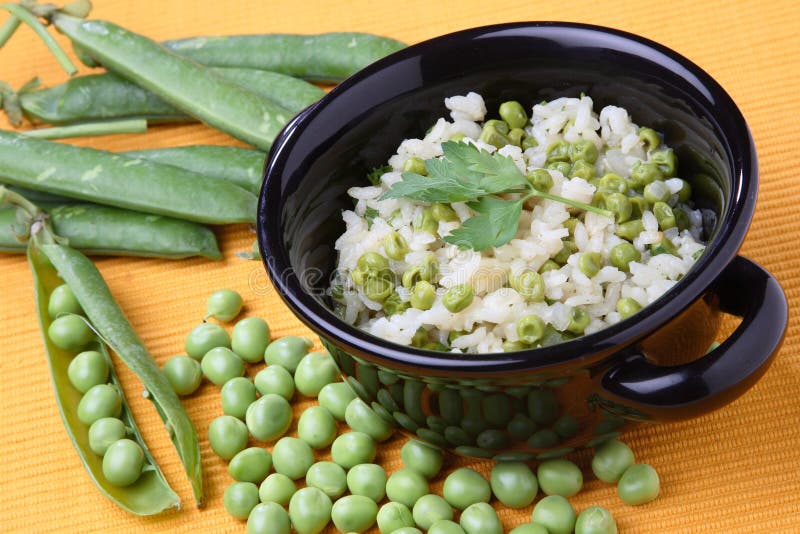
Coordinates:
640 389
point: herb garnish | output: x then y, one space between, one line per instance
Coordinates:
467 174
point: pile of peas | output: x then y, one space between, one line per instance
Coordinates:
349 489
101 406
627 198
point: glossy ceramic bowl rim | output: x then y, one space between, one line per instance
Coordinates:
732 228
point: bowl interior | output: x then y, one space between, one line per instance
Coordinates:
359 125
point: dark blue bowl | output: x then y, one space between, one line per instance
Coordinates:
542 402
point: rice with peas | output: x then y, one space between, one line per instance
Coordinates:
489 322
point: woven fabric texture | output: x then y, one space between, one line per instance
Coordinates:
732 471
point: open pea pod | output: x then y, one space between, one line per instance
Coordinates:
150 494
110 323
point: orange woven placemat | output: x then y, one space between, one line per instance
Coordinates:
731 471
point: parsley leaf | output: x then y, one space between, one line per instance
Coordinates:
369 215
440 188
495 173
494 226
374 176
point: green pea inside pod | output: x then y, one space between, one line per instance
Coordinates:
104 432
70 332
87 369
123 462
100 401
62 301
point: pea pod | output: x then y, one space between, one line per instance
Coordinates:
150 494
239 166
108 320
187 85
100 230
116 180
326 57
107 96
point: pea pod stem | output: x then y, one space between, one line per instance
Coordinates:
28 18
151 493
88 129
8 28
105 315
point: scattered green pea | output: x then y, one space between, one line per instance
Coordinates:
353 448
87 369
406 486
183 373
421 457
223 305
529 528
611 460
362 418
268 518
240 499
62 301
292 457
227 436
328 477
310 510
595 520
269 417
104 432
250 465
336 397
457 298
100 401
407 530
314 371
123 462
555 513
394 516
204 337
277 488
249 339
317 427
275 379
431 508
480 518
464 487
445 526
368 480
70 332
559 477
354 513
287 352
639 484
221 364
514 484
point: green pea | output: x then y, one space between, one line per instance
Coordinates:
123 462
480 518
620 205
227 436
656 191
529 528
554 513
87 369
378 288
549 265
643 173
372 261
221 364
425 459
104 432
362 418
681 219
530 329
223 305
560 166
328 477
368 480
559 477
317 427
269 417
445 526
443 212
183 373
685 192
639 484
630 230
415 165
558 151
542 406
292 457
250 465
638 206
612 183
666 160
464 487
425 222
275 379
568 248
541 180
583 150
589 263
495 132
529 284
514 484
407 530
457 298
406 486
205 337
514 114
277 488
583 169
422 295
664 246
578 320
287 352
100 401
431 508
70 332
393 304
393 516
240 499
268 518
353 448
627 306
310 510
664 215
611 460
63 301
515 136
595 520
314 371
250 338
336 397
566 426
354 513
425 270
395 246
622 255
650 138
521 427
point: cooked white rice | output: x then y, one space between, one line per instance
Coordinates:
491 318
